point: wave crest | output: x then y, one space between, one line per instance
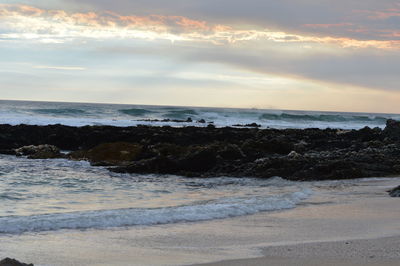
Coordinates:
218 209
323 118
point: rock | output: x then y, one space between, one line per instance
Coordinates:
342 131
159 165
253 125
276 145
8 151
392 129
107 154
202 121
247 125
198 159
13 262
294 155
395 192
301 146
39 152
230 152
168 149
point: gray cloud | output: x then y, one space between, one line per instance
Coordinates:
283 14
363 68
360 68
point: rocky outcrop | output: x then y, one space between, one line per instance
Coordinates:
107 154
395 192
294 154
392 129
13 262
39 152
247 125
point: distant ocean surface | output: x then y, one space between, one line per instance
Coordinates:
80 114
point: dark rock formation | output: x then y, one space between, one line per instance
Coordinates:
39 152
247 125
293 154
395 192
188 120
109 153
13 262
392 129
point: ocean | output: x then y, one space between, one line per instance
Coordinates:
81 114
45 197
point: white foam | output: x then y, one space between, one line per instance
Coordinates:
230 207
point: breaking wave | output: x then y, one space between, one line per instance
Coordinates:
202 211
324 118
180 114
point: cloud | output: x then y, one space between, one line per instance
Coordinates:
76 68
29 22
57 26
380 14
327 26
366 69
282 15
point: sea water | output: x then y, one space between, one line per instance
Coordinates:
50 195
80 114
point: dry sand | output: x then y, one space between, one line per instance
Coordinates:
382 251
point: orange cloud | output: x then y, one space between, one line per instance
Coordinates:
9 10
26 22
381 14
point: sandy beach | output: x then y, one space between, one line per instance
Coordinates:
381 251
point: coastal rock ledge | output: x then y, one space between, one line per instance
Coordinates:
13 262
294 154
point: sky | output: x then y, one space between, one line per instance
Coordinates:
341 55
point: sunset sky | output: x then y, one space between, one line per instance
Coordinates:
339 55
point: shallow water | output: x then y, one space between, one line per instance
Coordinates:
46 195
50 195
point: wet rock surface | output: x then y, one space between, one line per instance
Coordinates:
39 152
13 262
295 154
